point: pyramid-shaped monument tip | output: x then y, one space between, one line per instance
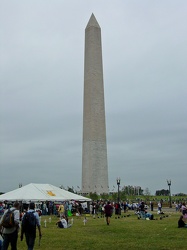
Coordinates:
92 22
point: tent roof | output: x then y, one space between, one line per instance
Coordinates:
41 192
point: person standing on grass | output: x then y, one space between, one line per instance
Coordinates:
61 210
159 207
183 208
151 204
108 212
29 223
10 234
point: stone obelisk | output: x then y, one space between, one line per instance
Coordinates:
94 149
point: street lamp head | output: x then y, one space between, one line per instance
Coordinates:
169 182
118 180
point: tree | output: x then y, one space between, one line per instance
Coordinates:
162 192
104 196
147 192
70 190
114 196
93 196
123 196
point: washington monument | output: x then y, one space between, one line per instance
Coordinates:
94 148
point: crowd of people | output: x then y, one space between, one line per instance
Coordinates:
27 217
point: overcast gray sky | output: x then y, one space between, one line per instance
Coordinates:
41 95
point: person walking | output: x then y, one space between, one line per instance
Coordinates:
108 212
29 223
10 233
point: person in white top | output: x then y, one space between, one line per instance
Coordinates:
62 223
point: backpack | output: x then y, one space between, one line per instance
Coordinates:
29 223
8 219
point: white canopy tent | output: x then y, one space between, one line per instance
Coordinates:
41 192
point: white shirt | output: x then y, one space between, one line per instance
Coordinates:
64 223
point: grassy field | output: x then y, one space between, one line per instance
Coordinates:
123 233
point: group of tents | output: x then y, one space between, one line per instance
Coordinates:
41 192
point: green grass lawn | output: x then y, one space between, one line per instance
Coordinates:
122 233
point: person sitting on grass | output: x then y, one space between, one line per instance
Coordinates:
63 222
181 222
149 215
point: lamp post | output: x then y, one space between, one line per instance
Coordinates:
118 183
169 185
